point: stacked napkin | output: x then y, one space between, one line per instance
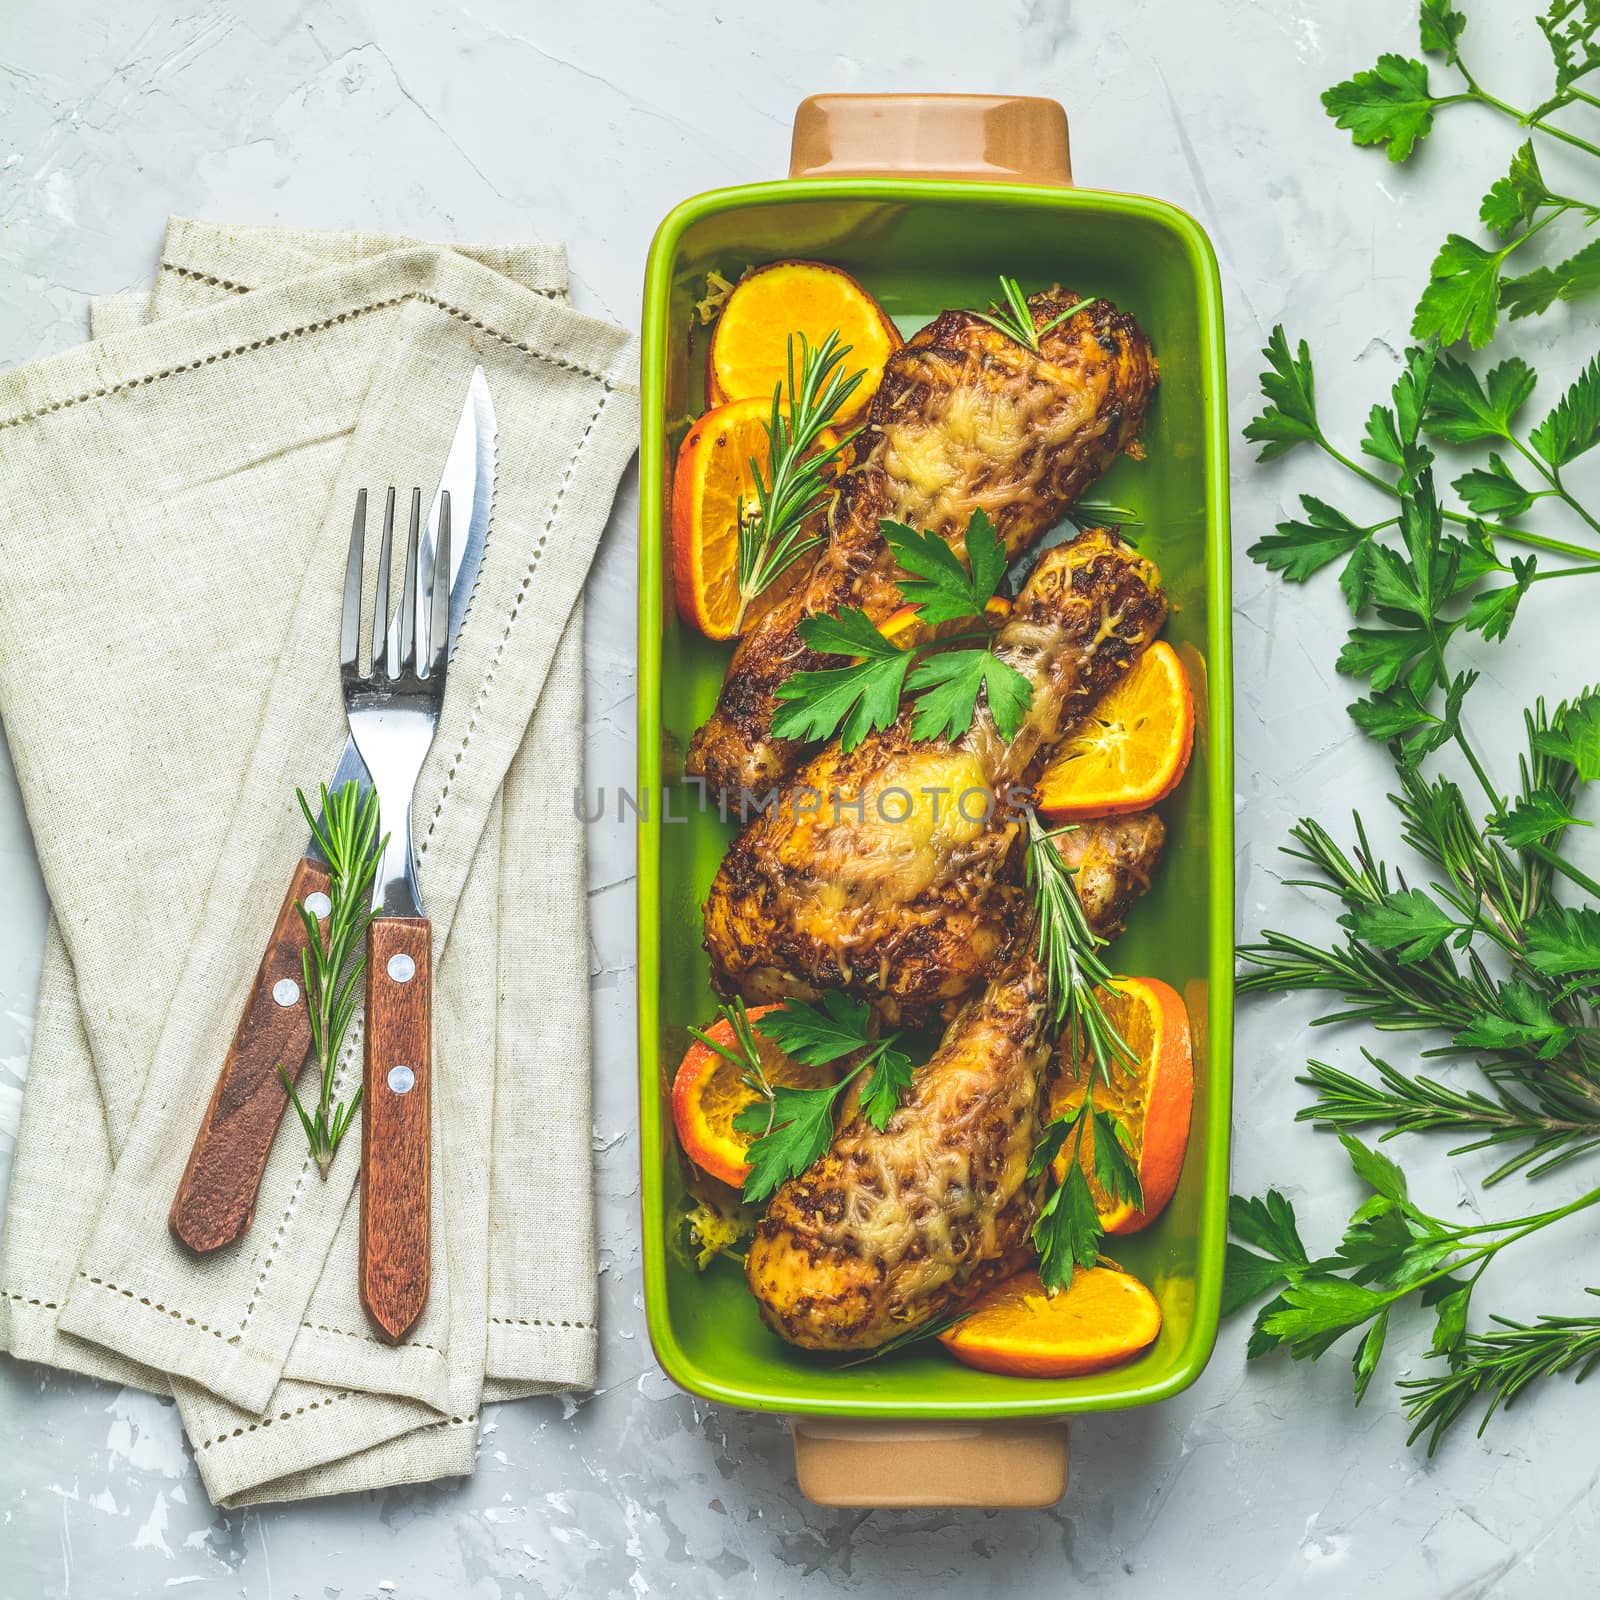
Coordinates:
177 499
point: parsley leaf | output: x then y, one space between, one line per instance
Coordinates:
1389 105
1400 713
947 686
1114 1168
1493 611
1067 1233
1574 425
1365 1362
886 1086
1314 1313
1512 201
836 1027
1462 410
1493 491
793 1130
941 587
1407 922
1381 654
1564 941
1533 818
1269 1225
1535 292
1374 1168
1290 416
816 1035
1524 1022
1574 47
1440 26
1355 580
1463 294
852 700
865 696
1574 736
1298 549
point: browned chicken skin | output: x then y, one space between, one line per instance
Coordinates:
890 1229
966 417
890 872
1113 860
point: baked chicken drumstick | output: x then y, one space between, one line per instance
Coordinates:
890 1229
884 871
966 418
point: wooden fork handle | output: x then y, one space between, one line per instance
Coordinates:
395 1127
216 1195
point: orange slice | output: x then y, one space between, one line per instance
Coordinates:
1102 1318
749 353
708 1092
1130 750
1153 1102
711 485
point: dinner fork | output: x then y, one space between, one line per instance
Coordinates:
393 711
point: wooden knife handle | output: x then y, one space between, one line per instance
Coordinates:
395 1164
216 1196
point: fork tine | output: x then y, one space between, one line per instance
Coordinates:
439 622
350 622
408 594
380 614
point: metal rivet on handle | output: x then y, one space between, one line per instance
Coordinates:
286 991
402 969
402 1079
319 905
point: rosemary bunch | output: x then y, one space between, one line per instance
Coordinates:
795 484
332 962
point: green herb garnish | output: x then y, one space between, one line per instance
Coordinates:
331 963
795 1126
1010 314
945 678
795 483
1068 1230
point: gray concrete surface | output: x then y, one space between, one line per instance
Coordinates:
498 119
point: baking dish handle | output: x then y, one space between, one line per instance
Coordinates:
987 138
988 1464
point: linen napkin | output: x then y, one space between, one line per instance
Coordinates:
179 495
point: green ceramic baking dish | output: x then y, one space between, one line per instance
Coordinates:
921 243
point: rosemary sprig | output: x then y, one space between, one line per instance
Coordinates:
331 963
1499 1365
928 1330
1010 314
1067 1231
1087 514
795 484
1069 950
